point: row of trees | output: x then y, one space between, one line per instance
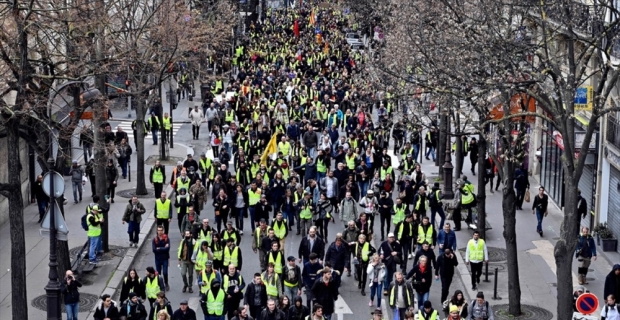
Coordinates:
58 53
473 55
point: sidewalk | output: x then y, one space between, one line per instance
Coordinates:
535 254
110 272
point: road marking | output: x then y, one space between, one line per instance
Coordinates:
341 308
126 125
544 248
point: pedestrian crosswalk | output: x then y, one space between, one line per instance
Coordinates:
126 125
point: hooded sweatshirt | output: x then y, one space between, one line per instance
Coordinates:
612 283
297 313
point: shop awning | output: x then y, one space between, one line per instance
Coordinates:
520 102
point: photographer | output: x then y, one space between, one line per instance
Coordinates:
69 288
133 217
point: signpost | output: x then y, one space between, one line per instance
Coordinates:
587 303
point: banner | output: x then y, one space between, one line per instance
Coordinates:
270 149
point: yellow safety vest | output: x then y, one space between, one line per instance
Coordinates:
181 185
231 257
385 172
226 235
419 202
215 305
218 252
393 295
277 264
272 287
284 147
401 229
163 209
433 316
93 231
158 175
279 231
152 287
206 279
320 166
476 252
254 196
365 250
201 259
167 124
230 116
467 198
206 164
350 162
306 213
399 214
428 236
204 237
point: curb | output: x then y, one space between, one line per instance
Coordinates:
126 263
465 278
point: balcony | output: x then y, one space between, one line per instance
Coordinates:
613 131
580 15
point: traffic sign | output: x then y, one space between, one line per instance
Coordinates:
587 303
59 222
59 184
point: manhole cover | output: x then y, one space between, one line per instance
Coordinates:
172 161
129 193
500 268
527 312
495 254
115 251
87 302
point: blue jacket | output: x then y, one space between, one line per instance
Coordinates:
447 239
309 274
293 132
334 135
587 244
159 248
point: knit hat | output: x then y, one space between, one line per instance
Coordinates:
132 294
454 309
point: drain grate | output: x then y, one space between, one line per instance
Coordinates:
129 193
115 251
87 302
528 312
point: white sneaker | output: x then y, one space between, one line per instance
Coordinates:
410 256
241 232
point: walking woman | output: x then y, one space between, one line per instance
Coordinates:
363 251
422 273
240 207
459 302
222 208
539 207
375 272
132 283
215 140
111 174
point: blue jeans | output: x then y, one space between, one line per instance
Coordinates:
161 266
77 189
328 316
92 248
290 292
290 218
319 176
133 229
389 274
123 162
376 289
252 221
239 217
416 152
42 205
311 152
539 217
421 298
155 132
431 151
88 152
210 317
442 215
363 187
228 147
72 310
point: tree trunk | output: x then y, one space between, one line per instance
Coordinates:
565 248
441 144
140 174
459 158
510 237
19 299
482 214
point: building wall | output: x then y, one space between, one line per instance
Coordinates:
23 154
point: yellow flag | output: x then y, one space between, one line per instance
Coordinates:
270 149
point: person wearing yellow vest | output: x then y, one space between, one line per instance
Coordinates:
254 194
163 211
94 221
426 233
232 255
257 239
153 284
405 234
427 312
399 285
167 127
161 303
233 284
475 254
280 229
463 199
182 182
212 302
202 253
276 258
186 263
285 147
153 125
207 276
272 282
292 280
399 212
157 176
362 252
420 202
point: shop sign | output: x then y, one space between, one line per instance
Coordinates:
581 136
613 157
559 141
583 98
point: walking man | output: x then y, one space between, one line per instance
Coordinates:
196 116
445 269
161 249
94 220
157 177
133 217
76 173
42 199
184 256
585 252
476 254
163 212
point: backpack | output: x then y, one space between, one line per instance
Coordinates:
434 200
486 307
84 221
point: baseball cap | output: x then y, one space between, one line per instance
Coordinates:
391 235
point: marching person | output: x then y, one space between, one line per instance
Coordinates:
133 217
161 249
132 308
153 284
132 283
184 256
475 255
584 252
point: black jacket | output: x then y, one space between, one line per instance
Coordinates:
430 255
338 256
325 295
276 315
134 311
318 248
415 274
70 291
248 296
113 313
156 307
189 314
612 283
386 249
445 266
295 313
136 285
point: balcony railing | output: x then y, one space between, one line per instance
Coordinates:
581 15
613 131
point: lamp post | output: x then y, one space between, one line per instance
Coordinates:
52 289
448 193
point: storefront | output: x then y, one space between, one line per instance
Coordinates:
610 185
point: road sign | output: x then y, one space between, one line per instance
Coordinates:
579 316
587 303
583 98
59 184
61 227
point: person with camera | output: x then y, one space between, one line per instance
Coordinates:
133 217
69 289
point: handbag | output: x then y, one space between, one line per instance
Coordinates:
527 195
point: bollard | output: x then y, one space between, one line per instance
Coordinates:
486 272
495 296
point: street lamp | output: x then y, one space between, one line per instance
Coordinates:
448 193
52 289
